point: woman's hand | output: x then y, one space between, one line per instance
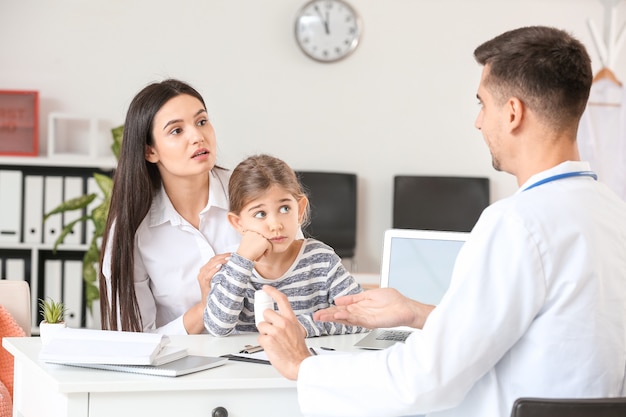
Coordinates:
208 271
193 320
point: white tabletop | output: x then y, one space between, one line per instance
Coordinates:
232 375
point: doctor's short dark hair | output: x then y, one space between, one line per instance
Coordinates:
546 68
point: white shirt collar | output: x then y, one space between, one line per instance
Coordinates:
163 211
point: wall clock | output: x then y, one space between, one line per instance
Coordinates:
327 30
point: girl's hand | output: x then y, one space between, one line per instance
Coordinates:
253 245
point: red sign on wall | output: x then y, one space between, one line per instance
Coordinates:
19 123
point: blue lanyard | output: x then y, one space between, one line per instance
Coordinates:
561 176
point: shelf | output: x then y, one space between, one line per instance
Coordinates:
78 161
30 187
64 247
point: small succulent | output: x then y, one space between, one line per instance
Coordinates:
52 311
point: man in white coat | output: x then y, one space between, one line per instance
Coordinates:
537 301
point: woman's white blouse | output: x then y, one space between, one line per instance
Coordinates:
169 253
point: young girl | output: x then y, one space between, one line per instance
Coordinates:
268 209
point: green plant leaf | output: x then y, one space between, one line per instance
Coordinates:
67 230
92 255
118 134
98 216
92 293
52 311
90 273
105 183
73 204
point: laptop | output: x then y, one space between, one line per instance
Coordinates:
419 264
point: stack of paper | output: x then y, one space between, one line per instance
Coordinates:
87 346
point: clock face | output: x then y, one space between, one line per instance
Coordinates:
327 30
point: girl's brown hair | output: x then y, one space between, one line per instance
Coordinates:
255 175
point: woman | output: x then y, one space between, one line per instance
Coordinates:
167 232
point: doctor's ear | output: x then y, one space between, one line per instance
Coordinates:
516 112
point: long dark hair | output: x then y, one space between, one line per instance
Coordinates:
135 183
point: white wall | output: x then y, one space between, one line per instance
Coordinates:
403 103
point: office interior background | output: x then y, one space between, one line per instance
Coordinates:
403 103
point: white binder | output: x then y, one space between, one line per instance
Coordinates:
53 191
10 206
15 269
33 208
73 291
73 187
52 279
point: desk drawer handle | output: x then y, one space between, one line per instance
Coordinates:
219 412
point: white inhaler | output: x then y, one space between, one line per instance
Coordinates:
262 302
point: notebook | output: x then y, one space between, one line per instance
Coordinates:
187 365
70 345
419 264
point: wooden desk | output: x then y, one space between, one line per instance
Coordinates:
244 389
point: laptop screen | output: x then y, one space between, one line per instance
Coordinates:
419 263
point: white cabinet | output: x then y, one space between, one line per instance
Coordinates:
30 187
256 402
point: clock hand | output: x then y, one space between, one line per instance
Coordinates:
325 21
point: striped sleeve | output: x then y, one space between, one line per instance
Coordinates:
318 278
227 302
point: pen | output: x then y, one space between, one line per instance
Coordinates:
251 349
313 351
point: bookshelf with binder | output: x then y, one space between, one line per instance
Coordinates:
29 188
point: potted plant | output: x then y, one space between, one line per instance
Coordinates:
98 216
53 314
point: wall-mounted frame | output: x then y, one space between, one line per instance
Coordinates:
19 123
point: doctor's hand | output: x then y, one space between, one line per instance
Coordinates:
282 336
381 307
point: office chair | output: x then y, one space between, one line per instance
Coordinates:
14 322
332 198
15 297
438 203
559 407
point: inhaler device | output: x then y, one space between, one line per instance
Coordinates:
262 302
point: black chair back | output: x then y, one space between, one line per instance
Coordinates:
579 407
438 203
333 200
